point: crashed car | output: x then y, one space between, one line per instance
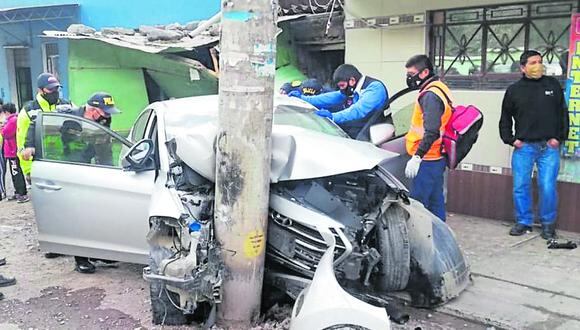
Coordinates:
153 204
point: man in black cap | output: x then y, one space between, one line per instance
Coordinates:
99 108
47 100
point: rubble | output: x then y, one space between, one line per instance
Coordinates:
80 29
118 31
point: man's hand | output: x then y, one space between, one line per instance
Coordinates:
518 144
27 153
324 113
554 143
413 167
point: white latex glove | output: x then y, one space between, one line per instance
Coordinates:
413 167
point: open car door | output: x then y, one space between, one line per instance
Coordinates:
85 203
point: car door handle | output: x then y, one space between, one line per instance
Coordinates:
46 186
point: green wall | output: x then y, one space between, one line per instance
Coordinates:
98 66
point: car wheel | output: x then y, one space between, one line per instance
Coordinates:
393 245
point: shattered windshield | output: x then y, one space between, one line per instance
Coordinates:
181 120
307 119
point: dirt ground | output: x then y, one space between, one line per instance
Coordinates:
49 294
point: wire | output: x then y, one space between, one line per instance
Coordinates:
171 301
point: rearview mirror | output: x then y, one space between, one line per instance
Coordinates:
139 157
381 133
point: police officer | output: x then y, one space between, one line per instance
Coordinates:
99 108
367 94
47 100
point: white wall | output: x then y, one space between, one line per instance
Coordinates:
382 53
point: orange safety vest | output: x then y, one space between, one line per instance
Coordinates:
417 130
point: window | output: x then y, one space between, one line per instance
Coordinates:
50 58
71 139
138 131
479 48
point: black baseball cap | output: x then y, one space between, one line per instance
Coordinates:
103 101
48 81
311 87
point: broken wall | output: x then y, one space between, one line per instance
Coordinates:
97 66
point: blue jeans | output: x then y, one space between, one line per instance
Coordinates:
547 159
428 186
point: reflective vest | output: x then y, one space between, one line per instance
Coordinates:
417 130
25 117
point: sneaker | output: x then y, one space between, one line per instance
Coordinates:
22 199
518 230
85 266
7 281
2 261
12 198
548 231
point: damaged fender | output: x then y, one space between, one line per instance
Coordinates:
439 270
325 304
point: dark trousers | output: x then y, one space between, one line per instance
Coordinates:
2 174
428 186
17 176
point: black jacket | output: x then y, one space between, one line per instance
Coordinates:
538 109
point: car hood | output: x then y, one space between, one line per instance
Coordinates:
297 153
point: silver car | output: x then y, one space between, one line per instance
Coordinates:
149 199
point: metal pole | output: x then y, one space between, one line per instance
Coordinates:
248 49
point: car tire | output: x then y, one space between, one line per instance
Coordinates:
394 247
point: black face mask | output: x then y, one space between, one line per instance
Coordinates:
415 82
104 121
348 91
51 98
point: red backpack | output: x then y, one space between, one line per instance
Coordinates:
461 132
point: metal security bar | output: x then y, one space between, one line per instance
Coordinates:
479 47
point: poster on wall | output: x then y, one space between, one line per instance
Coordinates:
570 170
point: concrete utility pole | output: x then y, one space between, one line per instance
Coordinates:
248 50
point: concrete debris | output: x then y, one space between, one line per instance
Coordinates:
156 34
191 25
118 31
214 30
174 26
80 29
164 35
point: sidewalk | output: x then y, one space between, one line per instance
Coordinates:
518 283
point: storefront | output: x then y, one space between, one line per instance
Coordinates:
475 46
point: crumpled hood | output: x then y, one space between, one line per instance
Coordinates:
297 153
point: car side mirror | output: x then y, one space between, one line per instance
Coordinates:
381 133
139 157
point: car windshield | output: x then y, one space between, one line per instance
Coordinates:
178 120
305 118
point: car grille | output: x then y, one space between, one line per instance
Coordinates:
299 246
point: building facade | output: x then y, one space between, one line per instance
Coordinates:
24 54
475 45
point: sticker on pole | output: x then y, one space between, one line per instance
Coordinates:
254 244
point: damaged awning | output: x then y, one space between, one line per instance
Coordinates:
139 42
140 39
